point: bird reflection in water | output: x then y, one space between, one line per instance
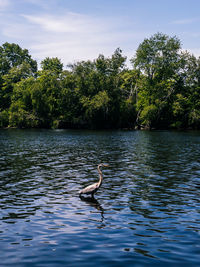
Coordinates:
94 203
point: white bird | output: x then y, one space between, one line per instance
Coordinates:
91 189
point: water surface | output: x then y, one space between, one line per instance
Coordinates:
147 211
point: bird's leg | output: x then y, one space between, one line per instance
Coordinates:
92 195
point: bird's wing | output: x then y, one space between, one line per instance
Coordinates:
89 189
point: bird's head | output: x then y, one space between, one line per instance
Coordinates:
103 165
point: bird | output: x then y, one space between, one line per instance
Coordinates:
92 189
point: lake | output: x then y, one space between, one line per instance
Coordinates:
146 213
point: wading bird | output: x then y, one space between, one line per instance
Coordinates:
91 189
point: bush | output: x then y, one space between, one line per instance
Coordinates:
23 119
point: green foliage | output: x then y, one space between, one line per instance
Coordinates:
148 114
53 65
15 65
160 63
158 56
194 118
162 90
98 86
12 55
21 118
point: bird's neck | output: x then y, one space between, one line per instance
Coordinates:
100 176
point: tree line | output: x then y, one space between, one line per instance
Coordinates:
160 91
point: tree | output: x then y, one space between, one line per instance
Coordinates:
158 60
21 112
35 102
12 55
53 65
45 94
15 64
70 108
112 84
129 97
98 85
186 104
14 75
158 57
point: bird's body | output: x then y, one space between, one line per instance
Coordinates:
91 189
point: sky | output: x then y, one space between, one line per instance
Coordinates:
75 30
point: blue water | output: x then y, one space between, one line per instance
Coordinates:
147 212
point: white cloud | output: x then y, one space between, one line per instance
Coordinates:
69 23
70 37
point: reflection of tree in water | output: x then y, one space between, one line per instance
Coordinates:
95 204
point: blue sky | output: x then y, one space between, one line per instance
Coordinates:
75 30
